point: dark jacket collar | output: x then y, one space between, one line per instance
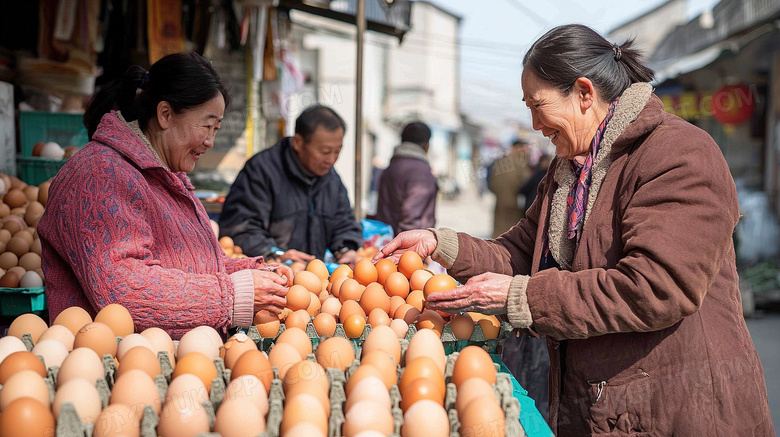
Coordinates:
293 164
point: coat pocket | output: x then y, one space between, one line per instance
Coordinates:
621 406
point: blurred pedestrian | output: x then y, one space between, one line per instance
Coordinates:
505 177
528 190
289 203
407 187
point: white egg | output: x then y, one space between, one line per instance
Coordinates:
31 279
52 150
9 345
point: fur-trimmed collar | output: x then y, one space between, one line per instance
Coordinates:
630 104
410 150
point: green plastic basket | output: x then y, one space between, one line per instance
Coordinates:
63 128
35 170
17 301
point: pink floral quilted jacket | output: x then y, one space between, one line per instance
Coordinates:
121 228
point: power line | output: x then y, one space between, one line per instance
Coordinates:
522 8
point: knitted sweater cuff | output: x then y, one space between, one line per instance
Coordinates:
446 248
517 303
243 298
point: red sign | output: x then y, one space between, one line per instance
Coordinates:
733 104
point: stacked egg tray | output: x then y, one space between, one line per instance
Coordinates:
451 344
69 424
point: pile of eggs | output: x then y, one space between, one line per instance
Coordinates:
21 208
380 294
53 150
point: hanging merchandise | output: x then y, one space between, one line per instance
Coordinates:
164 28
66 19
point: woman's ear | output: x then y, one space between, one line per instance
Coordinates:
585 92
164 114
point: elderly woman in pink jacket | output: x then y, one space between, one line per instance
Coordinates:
625 261
122 224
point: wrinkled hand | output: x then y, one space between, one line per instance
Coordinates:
350 257
486 294
282 270
270 291
296 256
419 240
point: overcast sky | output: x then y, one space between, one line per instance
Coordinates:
496 33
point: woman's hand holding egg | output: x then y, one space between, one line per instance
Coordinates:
282 270
419 240
486 294
270 291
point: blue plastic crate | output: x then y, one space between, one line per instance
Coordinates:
63 128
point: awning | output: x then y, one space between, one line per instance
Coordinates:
391 18
672 68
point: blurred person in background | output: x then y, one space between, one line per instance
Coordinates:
288 202
625 262
529 189
122 224
505 177
407 188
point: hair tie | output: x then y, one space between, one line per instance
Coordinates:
144 81
615 50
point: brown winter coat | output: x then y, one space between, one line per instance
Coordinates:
644 324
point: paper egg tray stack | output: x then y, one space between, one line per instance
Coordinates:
69 425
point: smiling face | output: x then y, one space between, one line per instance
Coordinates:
320 153
183 138
568 120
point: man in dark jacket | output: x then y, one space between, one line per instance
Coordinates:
407 188
288 202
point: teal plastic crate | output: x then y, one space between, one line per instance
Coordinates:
35 170
63 128
17 301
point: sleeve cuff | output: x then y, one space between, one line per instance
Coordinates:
446 248
517 303
243 298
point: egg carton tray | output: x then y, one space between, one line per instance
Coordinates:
450 342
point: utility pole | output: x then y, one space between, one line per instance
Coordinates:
361 29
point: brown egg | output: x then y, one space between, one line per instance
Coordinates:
318 268
52 351
160 341
378 317
297 267
26 417
238 419
363 371
331 306
335 286
478 413
490 326
31 191
383 338
430 319
369 388
409 263
365 272
117 318
25 383
140 358
19 271
395 302
117 421
73 318
84 397
70 151
298 298
305 429
30 261
335 352
325 324
182 420
419 278
34 213
196 340
341 271
298 339
136 389
421 367
235 347
13 226
397 285
254 363
473 361
440 282
4 211
383 362
305 372
267 324
43 192
303 408
19 361
248 388
350 290
26 235
27 324
98 337
18 246
226 242
426 418
36 151
80 363
298 319
349 308
354 325
384 267
324 295
199 365
35 247
420 389
471 389
406 312
15 198
399 327
367 415
10 279
59 333
416 299
374 296
187 389
283 356
314 305
308 280
427 343
5 234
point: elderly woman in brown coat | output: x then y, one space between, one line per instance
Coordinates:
625 261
